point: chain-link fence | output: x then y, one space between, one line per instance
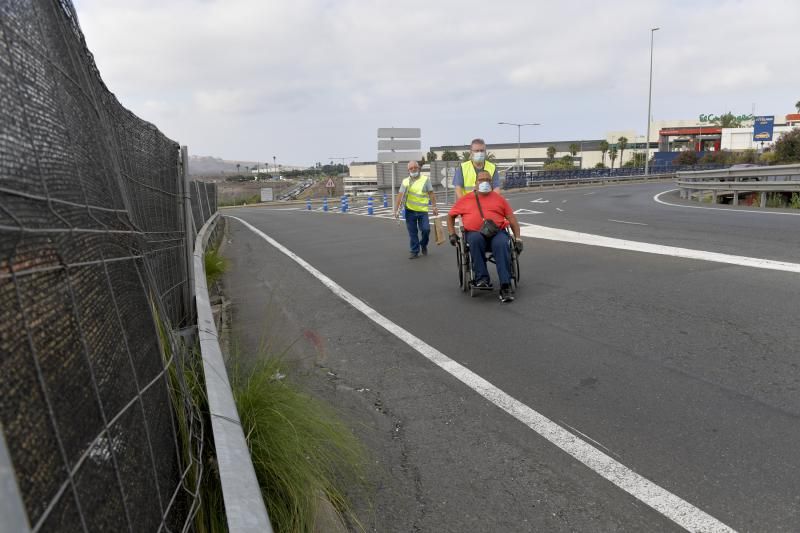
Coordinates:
95 413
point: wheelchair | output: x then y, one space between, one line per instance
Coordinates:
466 276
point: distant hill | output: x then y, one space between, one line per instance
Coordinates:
204 165
201 165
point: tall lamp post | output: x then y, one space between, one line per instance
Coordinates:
649 103
519 144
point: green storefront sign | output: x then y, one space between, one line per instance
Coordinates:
714 118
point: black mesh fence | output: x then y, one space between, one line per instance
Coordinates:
93 285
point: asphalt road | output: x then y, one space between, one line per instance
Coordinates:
684 371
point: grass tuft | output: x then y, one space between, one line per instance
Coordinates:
215 264
300 449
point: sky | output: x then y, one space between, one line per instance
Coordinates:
309 80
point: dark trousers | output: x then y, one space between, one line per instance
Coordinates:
478 244
416 223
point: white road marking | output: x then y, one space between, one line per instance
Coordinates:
626 222
559 209
555 234
660 201
563 201
540 201
588 193
526 212
676 509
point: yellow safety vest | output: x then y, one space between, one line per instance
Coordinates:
416 198
470 176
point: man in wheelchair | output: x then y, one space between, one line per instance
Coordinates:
485 215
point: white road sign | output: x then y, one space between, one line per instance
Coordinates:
402 133
391 157
399 144
266 194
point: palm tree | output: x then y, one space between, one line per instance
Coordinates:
449 155
622 142
797 105
238 166
728 120
465 155
431 155
603 150
612 155
573 149
551 152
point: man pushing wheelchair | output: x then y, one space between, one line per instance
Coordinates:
486 217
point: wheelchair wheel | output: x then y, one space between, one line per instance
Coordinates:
460 263
465 266
514 265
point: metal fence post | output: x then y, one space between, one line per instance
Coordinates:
188 222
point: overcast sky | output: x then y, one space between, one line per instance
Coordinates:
304 80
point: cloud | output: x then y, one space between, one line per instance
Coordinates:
282 65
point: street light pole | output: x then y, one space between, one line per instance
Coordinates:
649 103
519 143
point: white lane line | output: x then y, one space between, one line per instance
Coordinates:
660 201
559 209
676 509
626 222
555 234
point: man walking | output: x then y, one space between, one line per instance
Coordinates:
466 175
416 190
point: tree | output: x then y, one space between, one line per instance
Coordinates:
787 147
465 155
449 155
238 166
612 155
431 155
727 120
551 152
797 105
603 150
622 142
636 161
573 149
491 157
600 165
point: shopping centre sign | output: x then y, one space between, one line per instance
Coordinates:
714 118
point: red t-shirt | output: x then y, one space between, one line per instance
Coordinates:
494 206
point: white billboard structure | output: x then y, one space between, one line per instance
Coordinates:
398 145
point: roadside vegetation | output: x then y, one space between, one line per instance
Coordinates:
303 455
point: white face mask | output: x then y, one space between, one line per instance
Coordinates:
414 173
478 157
484 186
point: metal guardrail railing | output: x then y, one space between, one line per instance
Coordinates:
244 505
778 178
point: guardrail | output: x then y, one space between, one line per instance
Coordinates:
778 178
522 182
244 505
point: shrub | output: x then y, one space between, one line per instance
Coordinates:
685 158
787 148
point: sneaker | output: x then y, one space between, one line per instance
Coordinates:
413 256
506 294
424 250
482 284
